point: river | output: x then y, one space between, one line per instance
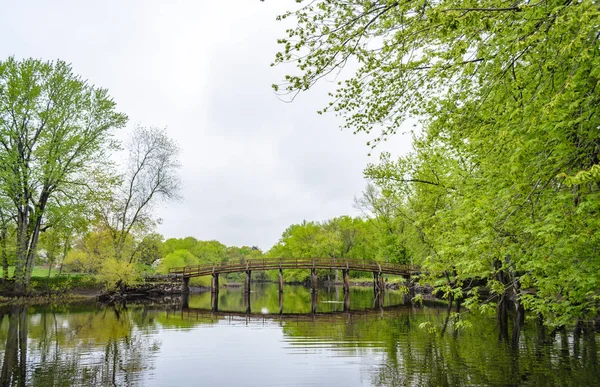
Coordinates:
291 341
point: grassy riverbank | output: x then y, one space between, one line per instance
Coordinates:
48 286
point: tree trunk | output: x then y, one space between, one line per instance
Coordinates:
449 311
518 323
519 314
502 315
27 239
23 331
11 351
65 251
502 310
4 257
32 249
21 253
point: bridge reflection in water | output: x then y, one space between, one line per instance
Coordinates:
203 314
313 264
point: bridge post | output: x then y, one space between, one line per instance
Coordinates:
411 290
378 300
375 282
214 285
346 301
247 284
280 280
185 301
346 279
314 281
381 283
185 285
214 301
247 301
280 302
314 302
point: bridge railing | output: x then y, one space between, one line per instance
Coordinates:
291 263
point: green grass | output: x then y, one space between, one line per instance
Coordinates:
57 283
38 271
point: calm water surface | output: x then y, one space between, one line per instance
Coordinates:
313 342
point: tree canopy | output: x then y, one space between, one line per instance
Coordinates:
55 133
503 182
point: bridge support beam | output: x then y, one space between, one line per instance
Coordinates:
280 280
247 301
214 285
214 301
247 284
185 301
314 302
185 285
346 301
314 281
378 300
280 302
378 282
408 297
346 279
375 282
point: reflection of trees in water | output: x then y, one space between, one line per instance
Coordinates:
15 352
114 346
415 356
295 299
477 357
104 347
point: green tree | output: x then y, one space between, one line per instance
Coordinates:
55 133
341 237
177 258
210 251
503 181
63 224
395 235
149 250
7 230
172 244
91 250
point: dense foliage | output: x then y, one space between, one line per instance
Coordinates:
341 237
502 184
55 131
58 184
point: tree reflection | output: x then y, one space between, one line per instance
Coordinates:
90 346
478 358
413 355
101 347
15 353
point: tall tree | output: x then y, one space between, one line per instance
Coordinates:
150 177
55 133
503 182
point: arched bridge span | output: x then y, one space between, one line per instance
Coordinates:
249 265
294 263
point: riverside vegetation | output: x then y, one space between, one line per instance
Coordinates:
497 202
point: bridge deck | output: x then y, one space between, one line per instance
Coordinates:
294 263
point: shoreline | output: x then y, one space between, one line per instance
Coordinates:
38 297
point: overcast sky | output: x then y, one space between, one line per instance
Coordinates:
251 164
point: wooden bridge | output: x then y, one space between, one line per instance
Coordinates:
294 263
313 264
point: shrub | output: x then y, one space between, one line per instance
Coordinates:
114 272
